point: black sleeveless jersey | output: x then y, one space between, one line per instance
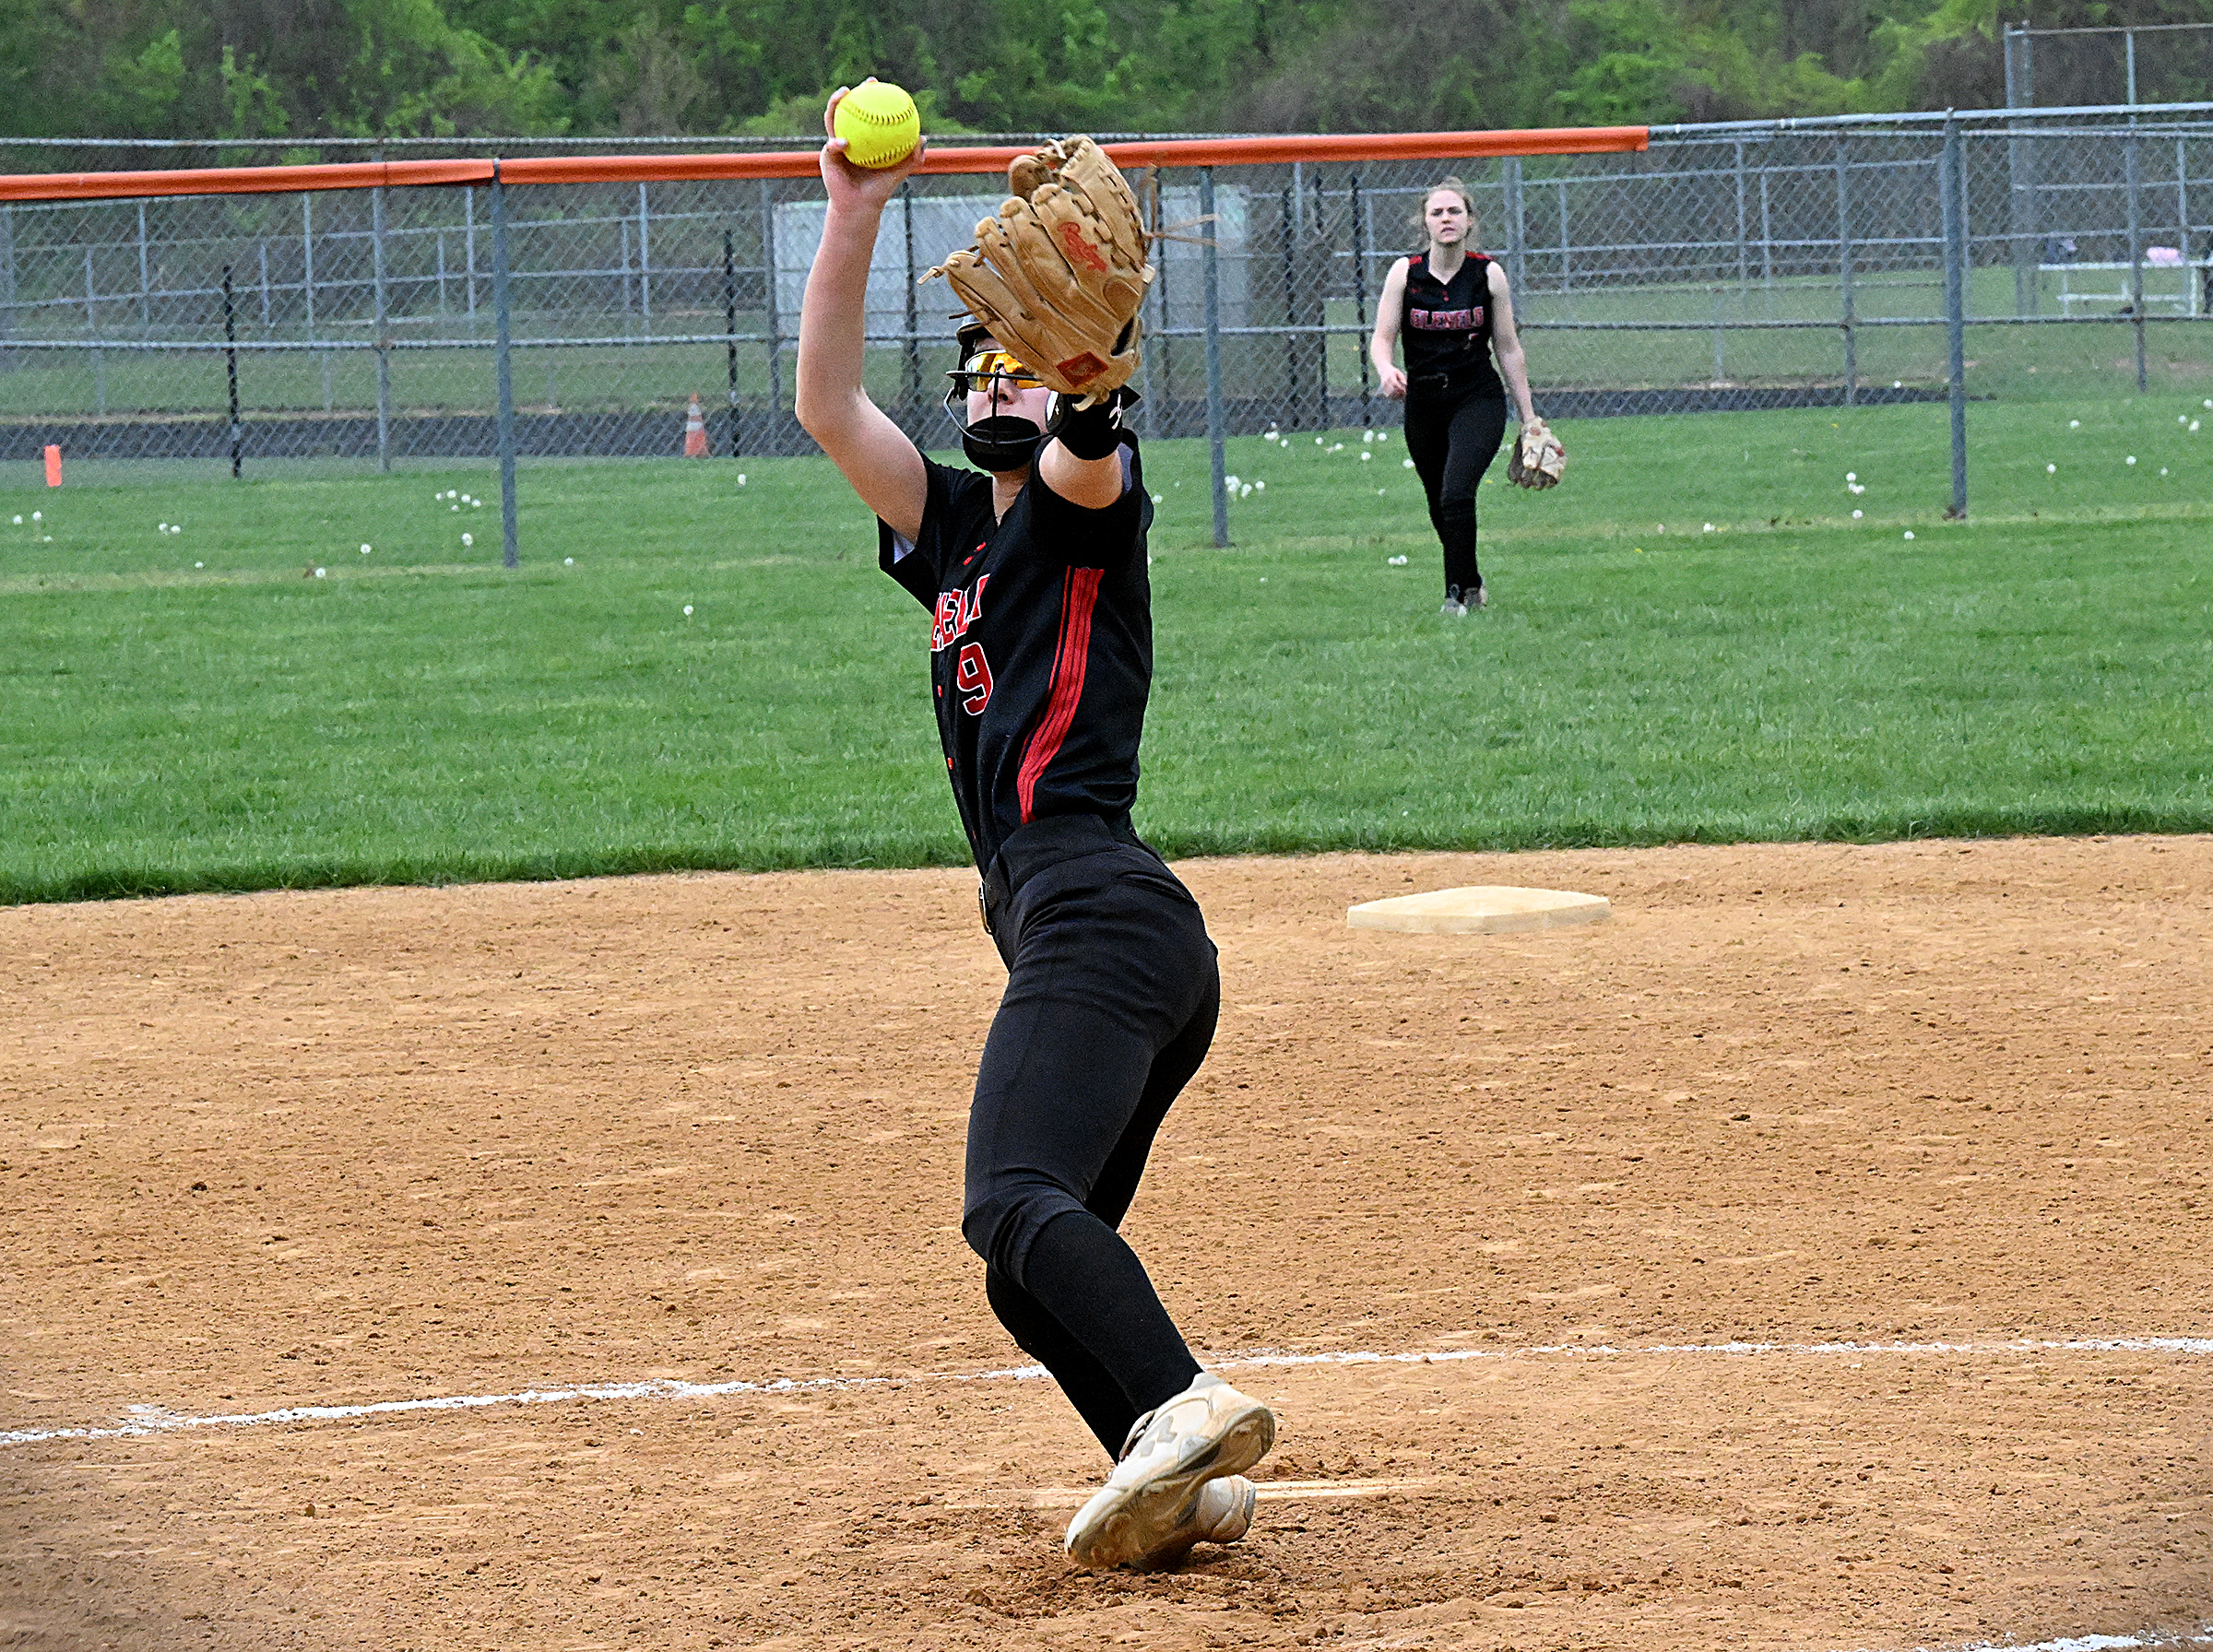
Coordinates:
1040 646
1446 326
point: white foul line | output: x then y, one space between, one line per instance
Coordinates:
2095 1643
147 1420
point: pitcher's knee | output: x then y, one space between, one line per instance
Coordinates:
1002 1224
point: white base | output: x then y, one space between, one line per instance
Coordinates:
1484 910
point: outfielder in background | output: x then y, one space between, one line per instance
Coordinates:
1452 308
1032 567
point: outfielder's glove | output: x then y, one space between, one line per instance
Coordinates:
1538 459
1059 272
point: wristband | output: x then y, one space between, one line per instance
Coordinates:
1092 432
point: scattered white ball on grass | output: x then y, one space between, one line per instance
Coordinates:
1336 447
19 521
1263 579
1319 440
1160 498
2162 470
38 515
321 572
452 507
2073 424
1407 463
475 504
468 540
1852 476
199 565
1365 457
2193 427
1709 528
1245 491
2132 458
1379 493
2181 418
2051 470
2209 402
1909 533
742 479
1368 435
1397 561
1230 482
687 610
1855 515
365 550
1897 383
568 561
1261 486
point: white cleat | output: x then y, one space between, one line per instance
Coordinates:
1221 1514
1153 1502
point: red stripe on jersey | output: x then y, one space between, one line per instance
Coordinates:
1079 595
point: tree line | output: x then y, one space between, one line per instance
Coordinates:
303 69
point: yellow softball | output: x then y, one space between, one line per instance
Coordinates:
879 123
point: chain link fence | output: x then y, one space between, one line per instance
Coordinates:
1788 265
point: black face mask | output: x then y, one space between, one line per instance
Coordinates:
1003 441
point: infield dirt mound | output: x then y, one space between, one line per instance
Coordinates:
341 1148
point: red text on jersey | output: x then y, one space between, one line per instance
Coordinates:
955 612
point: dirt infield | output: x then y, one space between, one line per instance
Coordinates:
1946 1103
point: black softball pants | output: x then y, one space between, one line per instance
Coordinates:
1112 995
1452 435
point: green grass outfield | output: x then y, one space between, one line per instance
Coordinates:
200 711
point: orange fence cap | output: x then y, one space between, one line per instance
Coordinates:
802 163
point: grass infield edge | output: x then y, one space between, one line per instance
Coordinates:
146 882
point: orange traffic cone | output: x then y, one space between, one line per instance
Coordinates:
695 432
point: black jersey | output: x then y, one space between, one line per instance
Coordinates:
1040 646
1446 326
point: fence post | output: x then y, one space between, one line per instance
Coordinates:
383 353
2181 218
145 295
1325 272
1851 342
1743 273
913 387
1952 190
1360 295
775 343
99 356
1767 243
468 247
1517 234
1287 239
231 367
729 316
307 259
1211 270
1567 258
645 258
2027 298
8 283
510 555
1149 408
2135 230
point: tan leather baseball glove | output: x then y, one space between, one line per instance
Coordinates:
1059 272
1538 459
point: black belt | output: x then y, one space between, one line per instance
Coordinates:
1030 849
